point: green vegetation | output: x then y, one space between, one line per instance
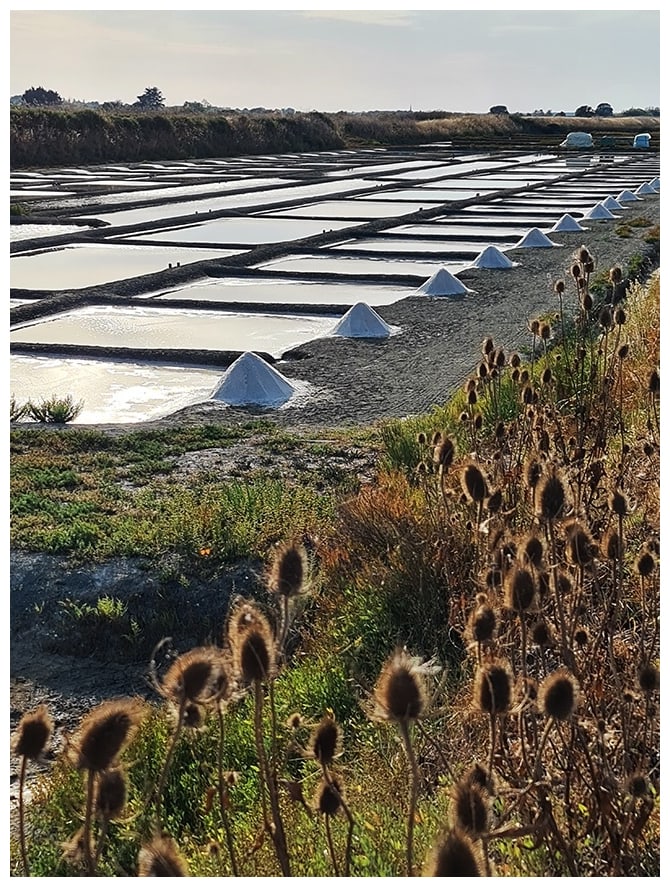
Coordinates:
46 136
462 675
55 410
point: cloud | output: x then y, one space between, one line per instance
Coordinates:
399 18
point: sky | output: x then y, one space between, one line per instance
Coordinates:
330 60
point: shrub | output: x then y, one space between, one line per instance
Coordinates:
55 410
17 410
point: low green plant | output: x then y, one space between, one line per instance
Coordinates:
55 410
17 411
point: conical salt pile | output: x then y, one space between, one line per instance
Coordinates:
251 381
491 257
567 223
610 203
644 189
534 238
362 321
656 184
443 283
627 196
598 212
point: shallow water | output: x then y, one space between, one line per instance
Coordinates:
351 265
285 292
74 267
444 247
252 231
107 326
350 209
112 391
28 232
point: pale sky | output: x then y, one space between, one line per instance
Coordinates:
329 60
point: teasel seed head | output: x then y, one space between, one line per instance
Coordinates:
252 643
400 693
477 421
527 395
478 775
622 353
470 806
545 331
192 676
482 624
620 317
455 855
328 797
325 743
473 482
104 732
541 634
436 438
551 496
520 590
654 383
161 858
587 300
559 287
580 546
289 570
532 551
421 438
33 733
648 678
443 454
532 472
472 397
500 358
534 326
583 255
111 794
645 564
605 318
494 502
294 721
464 417
487 345
638 785
576 271
616 274
558 696
618 503
493 687
546 376
515 360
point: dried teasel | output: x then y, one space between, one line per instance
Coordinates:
580 546
161 858
471 808
541 634
193 677
482 624
455 855
558 695
618 503
443 454
473 482
551 496
111 794
493 687
104 732
289 570
33 733
520 590
645 564
400 693
531 551
648 678
252 643
328 797
325 743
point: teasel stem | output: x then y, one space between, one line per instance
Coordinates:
88 816
403 726
22 822
524 639
540 748
276 828
567 657
492 737
284 623
102 837
222 799
160 787
347 813
331 848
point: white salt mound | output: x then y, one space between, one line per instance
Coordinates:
627 196
567 223
656 184
362 321
610 203
598 212
534 238
492 257
443 283
250 381
644 189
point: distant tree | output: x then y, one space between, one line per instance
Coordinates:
151 99
653 112
604 109
115 105
498 109
584 111
37 95
194 107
